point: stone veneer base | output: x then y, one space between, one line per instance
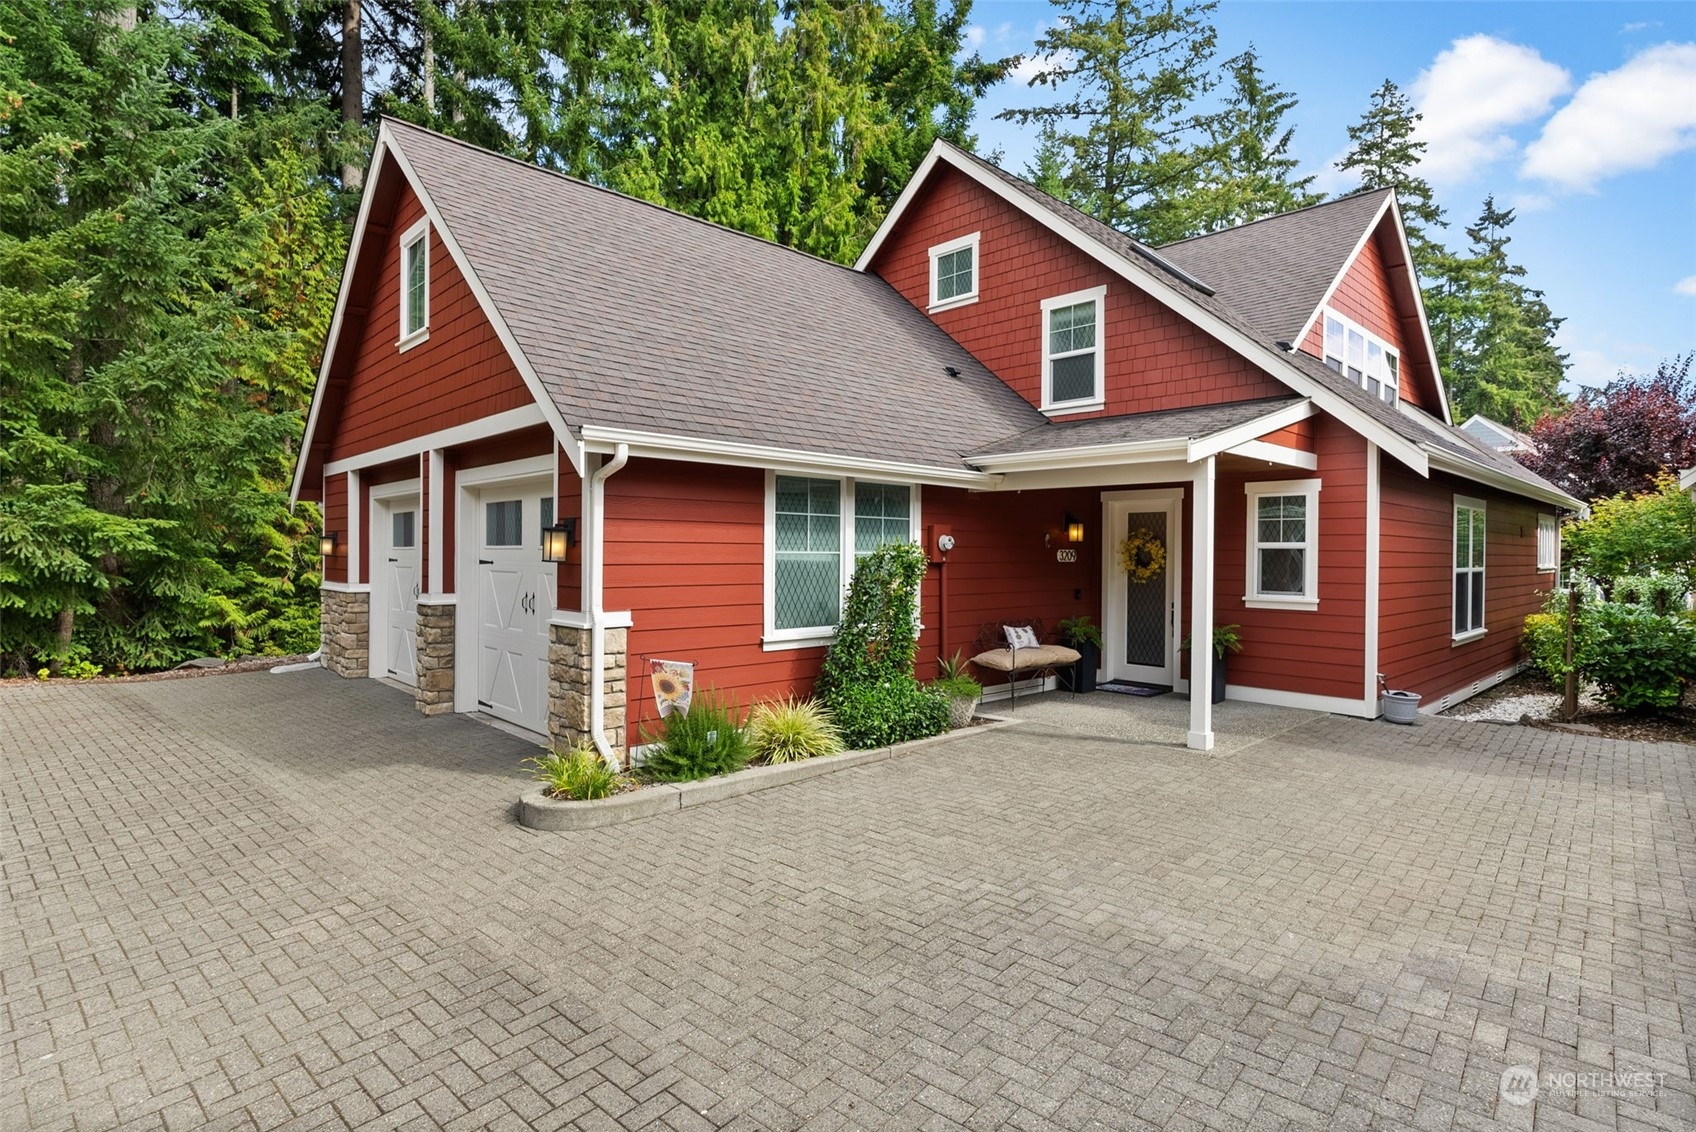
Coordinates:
538 811
344 628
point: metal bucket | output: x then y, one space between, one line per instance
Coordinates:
1400 707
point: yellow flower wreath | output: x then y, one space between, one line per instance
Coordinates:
1142 556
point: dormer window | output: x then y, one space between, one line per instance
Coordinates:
954 273
1364 359
415 285
1072 352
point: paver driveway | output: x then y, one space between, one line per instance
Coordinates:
286 901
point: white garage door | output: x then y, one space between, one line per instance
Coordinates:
400 584
515 600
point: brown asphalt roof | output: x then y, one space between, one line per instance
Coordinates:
1275 271
1171 424
638 317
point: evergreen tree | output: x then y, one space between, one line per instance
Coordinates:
1248 171
1385 154
1124 128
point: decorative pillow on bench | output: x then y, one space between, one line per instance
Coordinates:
1021 637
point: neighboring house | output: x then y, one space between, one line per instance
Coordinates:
1687 480
1501 437
726 423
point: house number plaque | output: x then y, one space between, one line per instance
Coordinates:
1066 555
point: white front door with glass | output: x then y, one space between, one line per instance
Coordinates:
1139 634
398 527
515 601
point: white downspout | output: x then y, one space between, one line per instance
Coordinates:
594 553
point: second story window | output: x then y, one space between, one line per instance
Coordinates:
954 273
1072 351
1368 361
415 284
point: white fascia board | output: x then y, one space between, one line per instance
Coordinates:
1419 309
893 217
1204 446
665 446
1479 473
1100 455
355 245
550 411
1276 454
483 428
1342 273
1263 356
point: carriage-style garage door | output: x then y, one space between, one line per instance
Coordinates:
515 600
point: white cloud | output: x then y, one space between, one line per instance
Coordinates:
1685 286
1524 204
1625 119
1030 66
1476 88
1594 360
1003 31
973 37
1639 25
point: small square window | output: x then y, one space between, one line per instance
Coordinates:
954 272
405 525
503 523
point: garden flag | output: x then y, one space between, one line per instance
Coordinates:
674 685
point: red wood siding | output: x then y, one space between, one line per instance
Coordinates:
1154 359
1319 652
335 520
568 504
1416 596
460 374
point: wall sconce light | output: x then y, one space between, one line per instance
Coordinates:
1074 528
327 544
558 540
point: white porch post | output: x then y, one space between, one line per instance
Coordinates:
1201 612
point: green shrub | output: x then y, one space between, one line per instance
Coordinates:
1639 658
1545 642
878 715
867 681
1076 632
579 773
710 740
790 730
1661 592
958 687
1651 532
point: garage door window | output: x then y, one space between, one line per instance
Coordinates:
503 523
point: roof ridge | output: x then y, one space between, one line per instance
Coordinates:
581 183
1278 216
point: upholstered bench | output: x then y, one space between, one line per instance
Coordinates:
1021 657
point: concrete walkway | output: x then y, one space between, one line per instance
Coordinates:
1154 719
261 902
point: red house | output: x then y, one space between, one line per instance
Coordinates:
724 423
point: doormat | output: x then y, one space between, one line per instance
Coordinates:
1125 689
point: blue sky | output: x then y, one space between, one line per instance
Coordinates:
1581 115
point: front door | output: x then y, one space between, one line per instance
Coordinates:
1140 624
515 601
400 585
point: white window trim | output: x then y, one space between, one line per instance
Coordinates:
1308 600
965 298
1098 296
419 231
1483 571
1348 325
775 640
1554 524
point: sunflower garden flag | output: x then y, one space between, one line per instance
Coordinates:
674 685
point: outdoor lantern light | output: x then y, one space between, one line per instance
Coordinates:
558 540
1074 528
327 544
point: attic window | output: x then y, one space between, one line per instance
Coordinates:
1364 359
954 273
415 285
1072 352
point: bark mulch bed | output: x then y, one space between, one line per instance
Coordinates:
229 667
1531 699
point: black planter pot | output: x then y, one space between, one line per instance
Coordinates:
1080 677
1218 679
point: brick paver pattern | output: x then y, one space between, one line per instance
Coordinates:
286 901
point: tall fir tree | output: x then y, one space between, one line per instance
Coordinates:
1385 153
1124 127
1247 172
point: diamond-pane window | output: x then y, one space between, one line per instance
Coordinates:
1282 541
808 566
955 273
1074 354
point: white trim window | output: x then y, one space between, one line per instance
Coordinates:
1548 542
415 285
954 273
1072 349
1282 571
810 520
1362 357
1469 568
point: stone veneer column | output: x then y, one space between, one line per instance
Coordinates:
568 685
344 622
434 659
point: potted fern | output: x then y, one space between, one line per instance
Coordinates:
1082 634
962 691
1225 639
